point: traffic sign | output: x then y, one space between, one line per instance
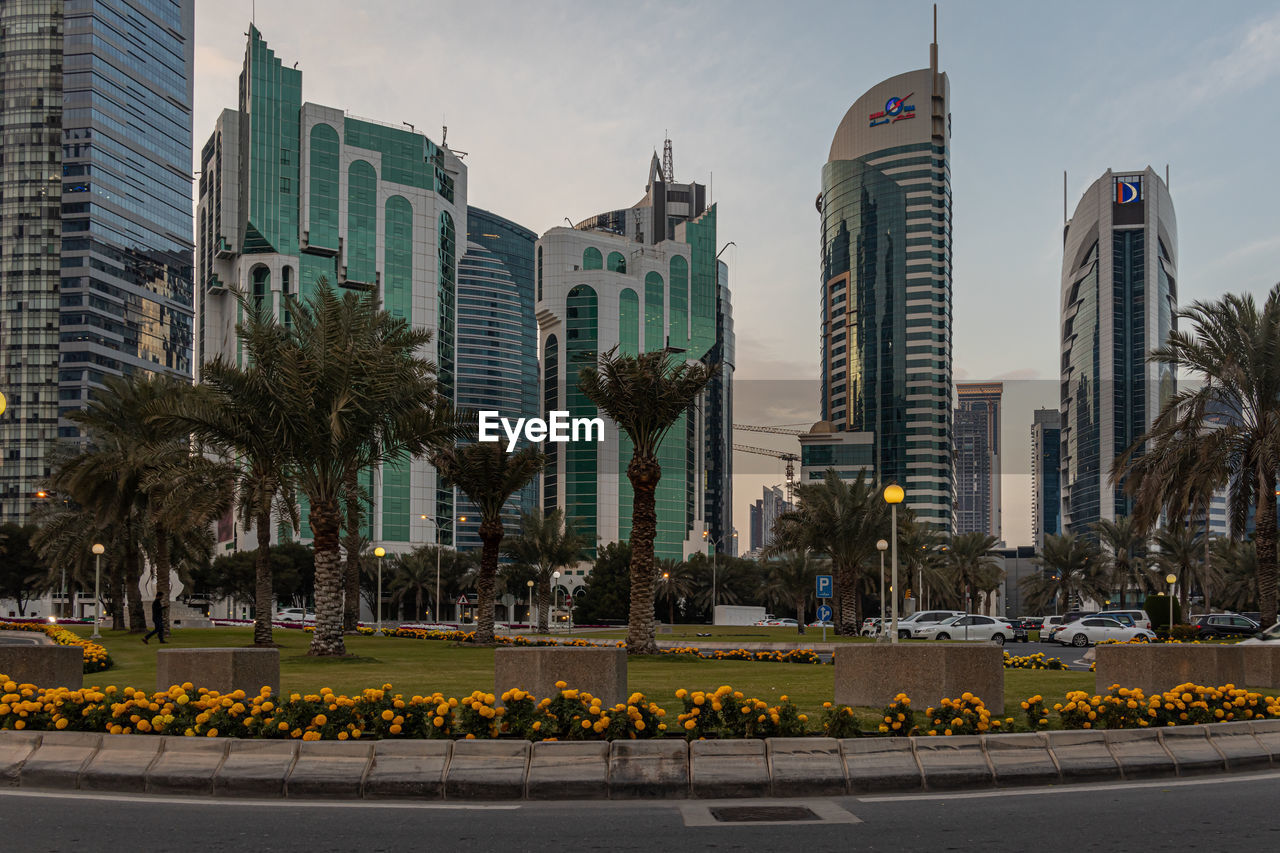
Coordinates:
825 587
462 599
824 613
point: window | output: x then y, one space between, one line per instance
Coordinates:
617 263
592 259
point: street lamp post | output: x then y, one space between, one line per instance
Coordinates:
530 585
379 552
555 590
97 590
715 544
1171 579
882 546
893 495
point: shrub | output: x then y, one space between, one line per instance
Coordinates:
1164 610
839 721
899 719
1036 713
964 716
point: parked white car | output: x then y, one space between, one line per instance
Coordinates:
908 624
1270 635
295 614
967 627
1140 618
1095 629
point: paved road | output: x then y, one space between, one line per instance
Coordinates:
1129 816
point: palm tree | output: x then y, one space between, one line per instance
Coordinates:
546 543
972 568
487 474
413 574
1237 565
1233 414
232 412
790 578
645 395
1073 568
921 554
1182 552
676 582
351 392
1125 545
843 520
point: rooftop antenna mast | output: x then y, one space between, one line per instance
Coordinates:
668 166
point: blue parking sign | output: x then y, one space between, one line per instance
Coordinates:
826 588
824 613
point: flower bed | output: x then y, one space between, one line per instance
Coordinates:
1186 704
1035 661
96 658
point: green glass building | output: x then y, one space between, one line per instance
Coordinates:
642 278
292 193
885 288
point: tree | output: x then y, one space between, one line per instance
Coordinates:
1237 564
842 519
645 395
351 392
1231 416
921 552
606 596
22 573
971 566
676 584
790 578
1181 552
413 574
546 543
487 474
232 411
1125 547
1073 569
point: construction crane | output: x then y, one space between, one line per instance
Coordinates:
789 458
770 430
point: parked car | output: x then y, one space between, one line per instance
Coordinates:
785 623
870 627
1226 625
1032 623
1095 629
967 627
1049 626
907 625
295 614
1270 635
1140 618
821 624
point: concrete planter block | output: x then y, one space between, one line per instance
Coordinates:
223 670
1267 733
805 766
1082 756
487 770
1261 664
723 769
872 674
43 665
15 749
58 759
648 768
1240 749
1140 753
255 768
334 769
880 764
957 761
1021 759
187 765
602 672
1192 750
1156 668
121 764
565 770
408 769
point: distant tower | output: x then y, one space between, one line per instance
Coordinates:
668 163
977 458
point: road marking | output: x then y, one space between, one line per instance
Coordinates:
1075 789
699 813
145 799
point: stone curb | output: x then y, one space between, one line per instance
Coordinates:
667 768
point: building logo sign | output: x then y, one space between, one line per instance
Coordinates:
1128 190
895 109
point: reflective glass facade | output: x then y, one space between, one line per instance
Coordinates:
1046 490
497 342
96 278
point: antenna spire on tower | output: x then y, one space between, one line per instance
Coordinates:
668 166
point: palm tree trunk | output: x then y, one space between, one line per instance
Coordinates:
850 604
800 610
326 529
644 474
133 573
1264 538
543 592
351 585
417 603
115 586
490 540
162 577
263 599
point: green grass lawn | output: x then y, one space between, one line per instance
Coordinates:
425 666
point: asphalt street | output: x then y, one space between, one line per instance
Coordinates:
1162 815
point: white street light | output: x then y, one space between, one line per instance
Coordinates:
882 546
97 590
893 496
379 552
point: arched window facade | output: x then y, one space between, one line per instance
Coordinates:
629 322
654 313
592 259
617 263
581 349
323 189
362 223
397 273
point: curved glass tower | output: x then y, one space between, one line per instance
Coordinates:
1119 292
886 284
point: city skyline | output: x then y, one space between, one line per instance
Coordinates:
778 100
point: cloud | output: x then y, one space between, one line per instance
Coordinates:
1251 63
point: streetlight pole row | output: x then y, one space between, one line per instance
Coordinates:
893 496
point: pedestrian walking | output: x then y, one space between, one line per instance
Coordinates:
157 619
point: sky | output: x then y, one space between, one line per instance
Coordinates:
560 105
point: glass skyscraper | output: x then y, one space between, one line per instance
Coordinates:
1119 294
977 458
292 192
497 342
1046 489
96 275
886 284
